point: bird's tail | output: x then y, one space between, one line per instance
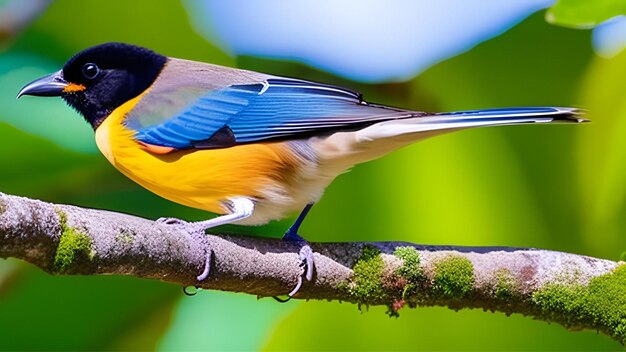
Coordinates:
380 138
480 118
508 116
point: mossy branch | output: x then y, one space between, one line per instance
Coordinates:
576 291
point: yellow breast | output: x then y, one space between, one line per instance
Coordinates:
195 178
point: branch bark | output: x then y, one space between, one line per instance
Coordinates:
573 290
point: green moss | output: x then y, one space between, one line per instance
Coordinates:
73 246
600 305
410 269
454 276
344 286
367 284
505 286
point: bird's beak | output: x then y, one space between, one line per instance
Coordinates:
49 86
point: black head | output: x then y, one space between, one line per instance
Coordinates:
101 78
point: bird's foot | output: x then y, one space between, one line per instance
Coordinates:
197 234
307 262
182 225
172 222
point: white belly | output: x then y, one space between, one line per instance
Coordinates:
279 202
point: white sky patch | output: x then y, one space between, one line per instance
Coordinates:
365 40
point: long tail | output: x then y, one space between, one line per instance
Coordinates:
472 118
508 116
378 139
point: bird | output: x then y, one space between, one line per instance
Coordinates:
248 146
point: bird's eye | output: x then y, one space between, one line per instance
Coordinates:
90 71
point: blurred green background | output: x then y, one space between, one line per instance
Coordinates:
555 187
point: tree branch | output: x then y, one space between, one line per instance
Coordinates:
573 290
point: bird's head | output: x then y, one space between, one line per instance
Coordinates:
101 78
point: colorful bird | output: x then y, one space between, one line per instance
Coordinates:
249 146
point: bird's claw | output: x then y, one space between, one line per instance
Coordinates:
192 231
181 225
307 263
171 221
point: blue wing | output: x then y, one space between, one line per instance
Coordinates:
274 109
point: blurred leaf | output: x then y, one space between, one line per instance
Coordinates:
16 14
220 321
71 25
50 118
46 312
450 193
344 328
504 72
36 167
144 335
584 13
9 270
602 156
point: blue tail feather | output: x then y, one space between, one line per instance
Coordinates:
531 113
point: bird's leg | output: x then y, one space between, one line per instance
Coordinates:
238 207
306 252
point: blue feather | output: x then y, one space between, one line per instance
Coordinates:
278 108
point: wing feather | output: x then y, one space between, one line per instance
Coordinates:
273 109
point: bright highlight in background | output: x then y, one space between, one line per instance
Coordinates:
609 38
366 40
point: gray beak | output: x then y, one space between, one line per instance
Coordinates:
48 86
